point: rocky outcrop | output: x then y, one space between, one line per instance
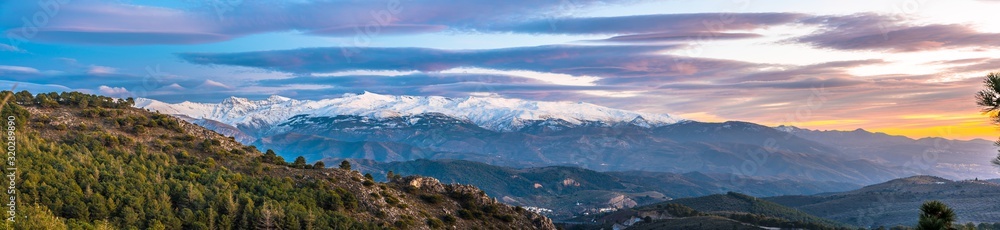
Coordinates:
473 203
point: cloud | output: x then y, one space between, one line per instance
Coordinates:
551 78
785 73
868 31
806 83
72 62
674 37
213 85
417 79
659 23
86 78
384 29
122 23
117 92
508 71
172 87
109 23
600 61
32 87
101 70
6 69
10 48
126 36
983 65
443 84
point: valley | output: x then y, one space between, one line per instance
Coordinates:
880 206
572 191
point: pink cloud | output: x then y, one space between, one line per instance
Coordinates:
101 70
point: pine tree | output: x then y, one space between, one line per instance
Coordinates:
319 165
300 162
345 165
246 220
309 220
269 217
273 158
24 97
41 218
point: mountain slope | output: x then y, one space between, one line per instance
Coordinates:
719 211
743 133
739 203
569 191
94 162
897 202
694 184
953 159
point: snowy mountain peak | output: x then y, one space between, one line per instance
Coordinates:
500 114
235 100
787 128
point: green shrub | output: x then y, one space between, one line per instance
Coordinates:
431 198
435 223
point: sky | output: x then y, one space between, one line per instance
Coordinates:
903 67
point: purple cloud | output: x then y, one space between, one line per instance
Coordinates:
672 37
607 61
116 23
419 79
101 22
979 65
785 73
660 23
875 32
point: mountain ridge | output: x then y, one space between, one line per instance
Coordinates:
793 129
953 159
897 201
498 114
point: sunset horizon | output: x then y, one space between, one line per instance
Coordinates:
897 67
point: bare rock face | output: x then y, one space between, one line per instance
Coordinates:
428 184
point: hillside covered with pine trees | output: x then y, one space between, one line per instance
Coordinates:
94 162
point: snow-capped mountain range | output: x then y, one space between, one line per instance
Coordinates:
498 114
523 133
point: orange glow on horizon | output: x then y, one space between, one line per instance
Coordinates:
950 126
